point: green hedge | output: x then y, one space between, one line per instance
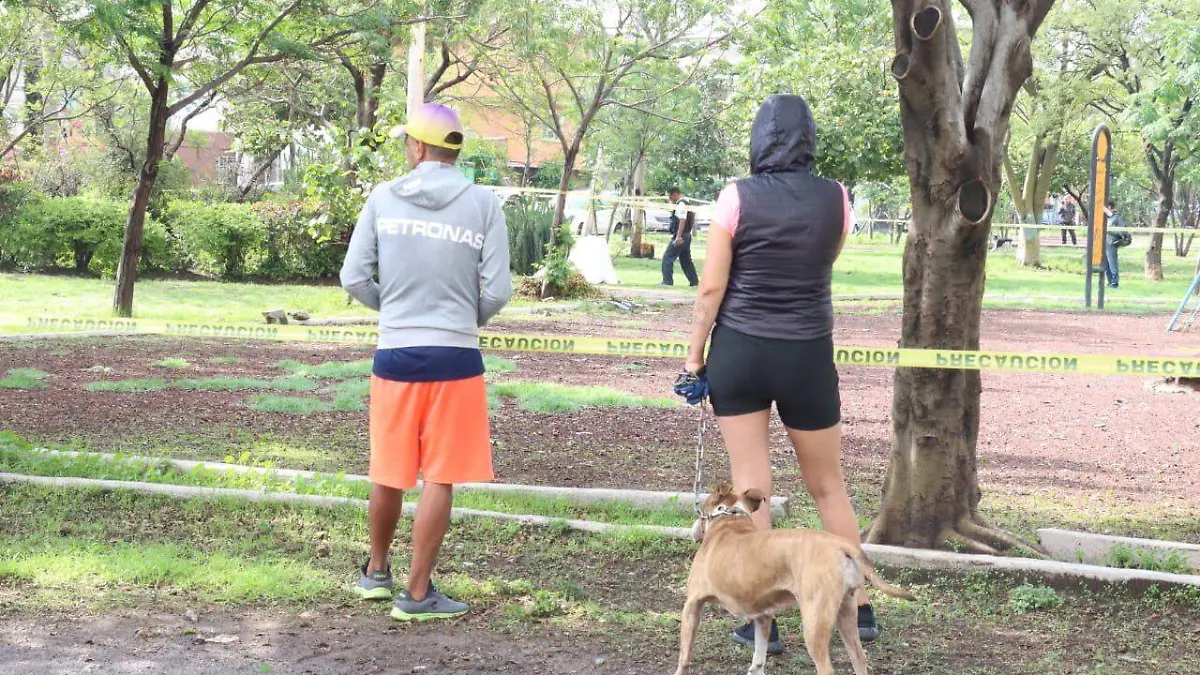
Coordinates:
77 233
216 240
221 240
270 239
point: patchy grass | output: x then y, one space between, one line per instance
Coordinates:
17 457
1029 598
292 405
127 386
523 580
1137 558
359 388
24 378
224 360
173 362
332 370
289 383
497 365
546 397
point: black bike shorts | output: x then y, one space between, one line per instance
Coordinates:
746 374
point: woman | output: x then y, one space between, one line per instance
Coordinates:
767 288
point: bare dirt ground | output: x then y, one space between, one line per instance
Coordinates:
1074 441
262 641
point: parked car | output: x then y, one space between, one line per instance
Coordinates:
659 219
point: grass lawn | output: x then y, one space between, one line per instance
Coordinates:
172 300
623 591
867 267
873 267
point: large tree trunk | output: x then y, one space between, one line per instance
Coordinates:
639 211
367 95
131 252
1043 160
932 488
560 204
1166 202
955 120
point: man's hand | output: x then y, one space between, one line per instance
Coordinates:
679 241
693 366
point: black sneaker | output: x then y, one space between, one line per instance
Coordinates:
868 628
745 636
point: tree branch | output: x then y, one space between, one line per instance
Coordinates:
173 148
441 70
251 58
189 21
135 62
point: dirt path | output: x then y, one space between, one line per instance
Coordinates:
327 642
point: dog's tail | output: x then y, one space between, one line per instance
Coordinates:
856 554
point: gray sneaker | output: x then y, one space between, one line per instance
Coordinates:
373 586
434 606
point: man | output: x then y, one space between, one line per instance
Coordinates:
441 248
1111 243
680 247
1066 216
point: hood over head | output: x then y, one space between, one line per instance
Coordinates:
784 136
432 185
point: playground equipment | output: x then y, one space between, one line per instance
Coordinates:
1183 307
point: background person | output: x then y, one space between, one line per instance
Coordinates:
1113 241
767 289
1067 218
680 246
441 248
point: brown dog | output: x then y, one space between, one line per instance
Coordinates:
754 574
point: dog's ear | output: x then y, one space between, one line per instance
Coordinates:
753 498
723 489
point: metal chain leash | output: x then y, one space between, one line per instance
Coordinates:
699 461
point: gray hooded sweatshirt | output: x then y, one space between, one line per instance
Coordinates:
440 245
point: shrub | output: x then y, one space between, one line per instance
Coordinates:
529 220
84 234
291 250
217 239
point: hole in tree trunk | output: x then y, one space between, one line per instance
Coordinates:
974 201
900 66
925 22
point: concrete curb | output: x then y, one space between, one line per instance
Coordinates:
644 499
1050 569
191 491
1096 548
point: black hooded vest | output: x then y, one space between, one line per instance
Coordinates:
788 232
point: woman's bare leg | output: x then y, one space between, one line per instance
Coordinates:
747 439
820 457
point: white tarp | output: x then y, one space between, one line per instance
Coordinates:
592 258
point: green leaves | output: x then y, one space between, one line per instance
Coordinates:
835 53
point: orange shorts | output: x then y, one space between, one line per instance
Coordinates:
438 430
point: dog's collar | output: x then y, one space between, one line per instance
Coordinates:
723 511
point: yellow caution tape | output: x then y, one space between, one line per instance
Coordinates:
1089 364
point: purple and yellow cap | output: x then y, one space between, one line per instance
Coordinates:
433 124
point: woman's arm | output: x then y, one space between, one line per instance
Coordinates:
711 293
